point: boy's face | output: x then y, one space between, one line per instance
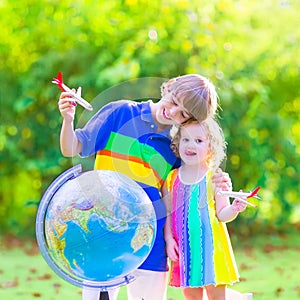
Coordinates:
171 111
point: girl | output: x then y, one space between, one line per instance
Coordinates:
197 241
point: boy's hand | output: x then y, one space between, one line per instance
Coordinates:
221 181
67 105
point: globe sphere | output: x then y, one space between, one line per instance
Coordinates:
95 228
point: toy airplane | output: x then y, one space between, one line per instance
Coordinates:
64 88
237 195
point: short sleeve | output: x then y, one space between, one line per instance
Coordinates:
95 134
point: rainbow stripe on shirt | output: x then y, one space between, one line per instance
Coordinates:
137 160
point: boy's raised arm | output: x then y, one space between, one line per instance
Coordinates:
69 144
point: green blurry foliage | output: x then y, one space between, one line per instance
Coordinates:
249 49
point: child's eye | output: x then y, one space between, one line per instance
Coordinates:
185 139
185 115
198 141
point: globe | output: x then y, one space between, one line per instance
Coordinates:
95 228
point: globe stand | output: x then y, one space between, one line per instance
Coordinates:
104 296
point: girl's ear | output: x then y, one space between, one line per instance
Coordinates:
209 159
209 155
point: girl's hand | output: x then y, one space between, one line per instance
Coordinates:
172 249
239 206
67 105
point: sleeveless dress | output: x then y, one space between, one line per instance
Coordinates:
205 252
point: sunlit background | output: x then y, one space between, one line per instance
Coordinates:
249 49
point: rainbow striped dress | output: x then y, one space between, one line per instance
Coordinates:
205 252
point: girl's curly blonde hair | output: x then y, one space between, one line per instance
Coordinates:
217 143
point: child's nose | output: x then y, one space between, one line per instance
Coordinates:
191 144
174 111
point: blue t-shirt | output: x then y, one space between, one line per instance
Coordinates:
125 139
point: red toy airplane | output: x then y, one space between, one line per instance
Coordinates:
251 194
64 88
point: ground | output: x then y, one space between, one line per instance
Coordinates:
268 266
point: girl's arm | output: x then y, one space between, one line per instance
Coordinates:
171 244
227 212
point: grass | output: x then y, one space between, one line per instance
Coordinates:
268 265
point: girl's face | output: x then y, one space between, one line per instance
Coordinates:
171 111
194 145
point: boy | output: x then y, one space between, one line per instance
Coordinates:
133 138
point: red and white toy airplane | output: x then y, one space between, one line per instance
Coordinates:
64 88
237 195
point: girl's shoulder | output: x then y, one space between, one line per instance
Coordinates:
173 173
171 178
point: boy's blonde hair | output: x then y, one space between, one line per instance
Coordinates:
217 143
197 93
